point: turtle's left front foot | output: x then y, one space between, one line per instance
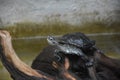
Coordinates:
58 55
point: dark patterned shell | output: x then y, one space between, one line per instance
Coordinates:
77 39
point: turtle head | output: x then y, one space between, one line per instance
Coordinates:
51 40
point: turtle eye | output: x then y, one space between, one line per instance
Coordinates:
51 38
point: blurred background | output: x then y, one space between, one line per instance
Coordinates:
31 21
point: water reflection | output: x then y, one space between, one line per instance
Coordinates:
109 44
28 49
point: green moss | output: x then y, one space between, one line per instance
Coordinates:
58 28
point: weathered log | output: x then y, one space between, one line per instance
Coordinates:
18 69
21 71
106 62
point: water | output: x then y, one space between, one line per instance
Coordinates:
28 49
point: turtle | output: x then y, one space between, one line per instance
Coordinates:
65 47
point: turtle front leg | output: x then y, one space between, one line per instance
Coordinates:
58 54
89 63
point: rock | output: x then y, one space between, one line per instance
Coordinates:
71 11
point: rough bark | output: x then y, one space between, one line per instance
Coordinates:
21 71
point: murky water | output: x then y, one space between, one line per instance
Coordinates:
28 49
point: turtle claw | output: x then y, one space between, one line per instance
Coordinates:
89 63
56 54
57 57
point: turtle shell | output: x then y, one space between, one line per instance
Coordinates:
77 39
